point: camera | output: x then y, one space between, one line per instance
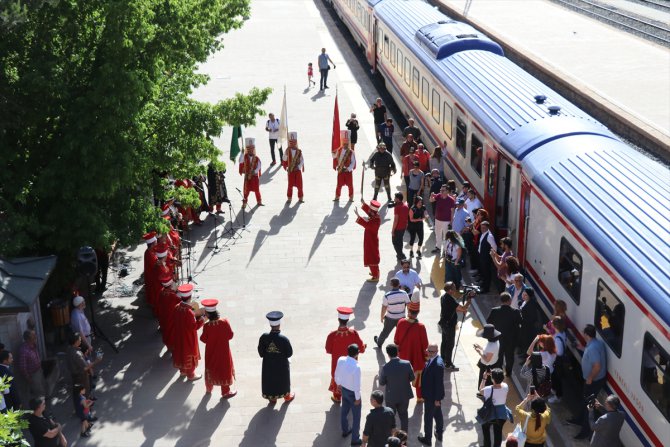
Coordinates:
591 400
470 289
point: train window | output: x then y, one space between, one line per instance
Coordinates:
408 72
461 135
425 93
655 377
436 106
570 270
359 12
446 122
400 62
476 154
393 54
610 317
380 40
415 82
386 47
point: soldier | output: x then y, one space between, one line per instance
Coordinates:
250 167
370 237
186 352
344 162
294 164
216 335
275 350
337 343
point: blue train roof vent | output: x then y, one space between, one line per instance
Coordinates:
554 110
447 37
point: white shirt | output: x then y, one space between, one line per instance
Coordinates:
499 394
489 237
258 163
410 279
348 375
395 302
294 151
471 205
548 360
451 251
274 129
493 347
339 155
79 323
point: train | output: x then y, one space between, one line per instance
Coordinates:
588 214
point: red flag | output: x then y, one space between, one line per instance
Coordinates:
335 145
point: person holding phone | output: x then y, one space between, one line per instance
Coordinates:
538 417
488 354
498 394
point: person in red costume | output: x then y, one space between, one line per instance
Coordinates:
250 167
186 321
344 162
370 237
294 164
337 343
150 261
167 301
412 340
216 335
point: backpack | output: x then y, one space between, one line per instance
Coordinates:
543 389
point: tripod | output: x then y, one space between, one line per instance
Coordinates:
189 275
215 248
244 208
468 293
231 232
96 329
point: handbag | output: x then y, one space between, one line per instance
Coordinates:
543 389
520 433
486 412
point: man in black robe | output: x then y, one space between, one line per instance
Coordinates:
275 350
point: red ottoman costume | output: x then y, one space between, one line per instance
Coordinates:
344 162
412 340
294 164
216 335
371 237
186 352
250 167
337 343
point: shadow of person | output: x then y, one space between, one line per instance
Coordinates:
276 223
416 418
458 421
362 306
203 423
267 175
264 427
381 360
337 217
330 434
437 274
320 94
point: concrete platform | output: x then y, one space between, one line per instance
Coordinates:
624 72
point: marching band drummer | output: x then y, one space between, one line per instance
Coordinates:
250 167
344 162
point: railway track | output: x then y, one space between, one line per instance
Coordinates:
641 26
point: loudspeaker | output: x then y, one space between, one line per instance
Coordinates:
87 261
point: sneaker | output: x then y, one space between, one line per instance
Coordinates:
424 440
376 339
435 250
418 255
411 254
452 368
438 435
554 400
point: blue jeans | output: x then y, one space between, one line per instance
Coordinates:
348 399
452 272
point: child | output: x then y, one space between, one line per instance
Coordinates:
82 406
310 75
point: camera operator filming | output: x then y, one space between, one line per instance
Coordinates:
606 422
451 303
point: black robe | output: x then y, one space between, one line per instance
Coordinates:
275 349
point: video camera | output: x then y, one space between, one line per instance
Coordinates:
469 291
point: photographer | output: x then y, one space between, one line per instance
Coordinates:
46 432
605 422
449 307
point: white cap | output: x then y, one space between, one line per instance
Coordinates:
77 300
293 136
249 141
161 254
275 322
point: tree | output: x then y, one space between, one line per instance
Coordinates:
12 423
95 103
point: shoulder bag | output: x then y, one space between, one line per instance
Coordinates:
520 433
486 412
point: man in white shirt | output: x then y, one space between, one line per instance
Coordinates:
408 277
472 203
272 127
79 323
393 309
348 379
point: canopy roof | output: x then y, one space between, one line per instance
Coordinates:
22 281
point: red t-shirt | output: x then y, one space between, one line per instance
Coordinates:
424 160
402 213
443 207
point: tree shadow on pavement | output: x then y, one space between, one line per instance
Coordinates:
277 222
264 427
337 217
330 433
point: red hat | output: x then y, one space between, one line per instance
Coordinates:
414 307
165 209
150 237
166 279
374 205
344 313
209 304
185 290
161 250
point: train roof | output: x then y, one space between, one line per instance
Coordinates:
618 199
517 110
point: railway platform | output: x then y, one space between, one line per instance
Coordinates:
618 73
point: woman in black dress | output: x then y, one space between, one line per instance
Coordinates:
352 125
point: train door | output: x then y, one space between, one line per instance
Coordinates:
524 219
375 43
369 30
498 191
491 157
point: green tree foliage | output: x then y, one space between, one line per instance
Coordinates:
95 102
12 423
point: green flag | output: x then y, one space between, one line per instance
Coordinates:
235 143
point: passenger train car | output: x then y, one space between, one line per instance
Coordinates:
589 215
